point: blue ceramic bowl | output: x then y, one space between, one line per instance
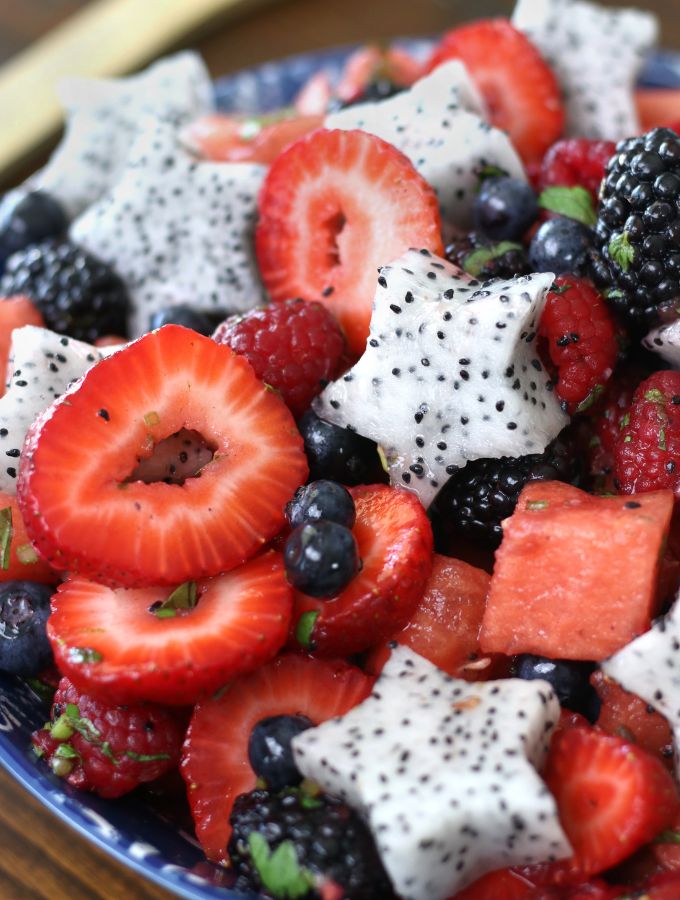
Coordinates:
135 830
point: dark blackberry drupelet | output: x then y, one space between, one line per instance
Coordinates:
330 841
76 293
638 227
474 501
484 259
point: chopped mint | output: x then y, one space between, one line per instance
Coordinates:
537 504
151 419
84 655
66 751
621 251
305 627
490 172
625 420
588 401
572 202
662 439
6 531
560 288
27 555
146 757
670 836
280 872
475 262
614 294
62 729
183 597
654 395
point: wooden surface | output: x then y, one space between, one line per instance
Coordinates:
39 856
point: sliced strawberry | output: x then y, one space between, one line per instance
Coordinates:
23 562
335 206
445 625
315 95
666 847
372 63
520 89
612 796
131 645
225 138
14 312
663 886
503 884
84 512
628 716
215 756
394 537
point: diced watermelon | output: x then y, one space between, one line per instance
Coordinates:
658 107
445 626
576 575
628 716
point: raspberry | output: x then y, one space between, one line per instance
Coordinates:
294 346
647 451
576 161
107 749
580 338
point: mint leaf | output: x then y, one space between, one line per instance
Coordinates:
572 202
6 531
490 172
280 872
621 251
305 626
670 836
588 401
146 757
183 597
475 262
84 655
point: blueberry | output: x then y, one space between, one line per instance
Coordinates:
321 558
270 752
569 680
24 609
504 208
339 454
561 246
183 314
27 219
321 500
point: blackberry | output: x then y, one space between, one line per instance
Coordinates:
475 500
76 293
638 227
330 841
484 259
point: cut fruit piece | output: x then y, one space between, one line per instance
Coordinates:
223 138
333 207
150 644
14 313
658 107
576 575
628 716
445 626
85 516
612 797
394 537
503 884
23 562
520 89
215 762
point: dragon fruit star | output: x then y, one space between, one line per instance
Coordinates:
450 373
444 772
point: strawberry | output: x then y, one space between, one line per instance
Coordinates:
612 796
19 559
84 513
394 537
144 644
314 96
503 884
666 847
224 138
333 207
520 89
370 64
14 312
628 716
215 762
445 625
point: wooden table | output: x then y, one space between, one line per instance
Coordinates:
39 856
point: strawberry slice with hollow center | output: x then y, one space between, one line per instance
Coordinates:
394 537
85 515
334 207
215 762
133 645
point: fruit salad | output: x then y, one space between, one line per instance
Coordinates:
341 451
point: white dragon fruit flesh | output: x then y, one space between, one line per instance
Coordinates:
650 667
41 366
450 372
444 771
176 230
665 342
439 124
104 117
597 54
